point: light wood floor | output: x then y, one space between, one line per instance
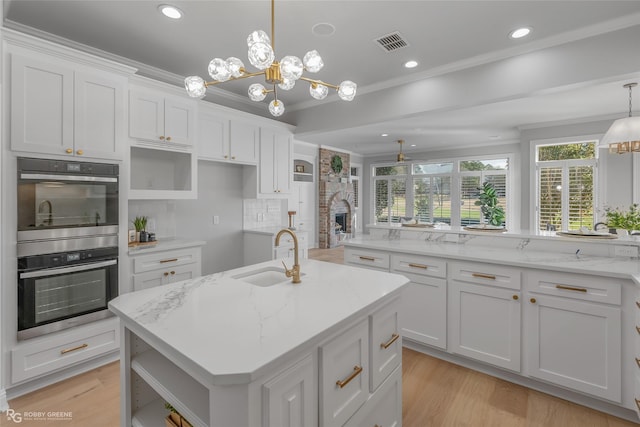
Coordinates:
435 393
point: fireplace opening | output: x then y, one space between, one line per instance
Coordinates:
341 223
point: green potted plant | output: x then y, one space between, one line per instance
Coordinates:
624 219
140 224
488 201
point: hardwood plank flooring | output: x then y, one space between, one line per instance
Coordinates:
435 394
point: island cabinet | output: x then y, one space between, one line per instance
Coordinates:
423 317
61 108
485 319
290 355
573 332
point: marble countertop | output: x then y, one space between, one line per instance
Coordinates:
165 245
231 331
624 268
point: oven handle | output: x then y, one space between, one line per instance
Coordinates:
65 270
68 177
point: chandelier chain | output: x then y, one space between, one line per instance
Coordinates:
630 89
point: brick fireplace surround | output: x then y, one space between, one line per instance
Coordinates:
335 196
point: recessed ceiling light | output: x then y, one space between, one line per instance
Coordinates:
519 33
323 29
384 134
413 145
170 11
411 64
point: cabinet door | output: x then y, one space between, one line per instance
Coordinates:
213 136
385 342
423 317
149 279
179 121
99 116
41 107
290 398
267 162
384 407
146 115
485 323
344 375
575 344
283 155
244 139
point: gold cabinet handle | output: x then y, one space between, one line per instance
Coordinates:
165 274
233 157
515 297
69 350
638 404
164 261
484 276
638 361
79 152
172 273
638 329
367 258
356 371
161 138
168 138
533 300
638 304
570 288
424 267
387 344
68 151
226 157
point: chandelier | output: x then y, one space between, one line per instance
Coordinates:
278 75
624 134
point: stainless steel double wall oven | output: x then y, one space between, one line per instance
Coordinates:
67 243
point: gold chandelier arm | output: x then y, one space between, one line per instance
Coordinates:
244 76
319 82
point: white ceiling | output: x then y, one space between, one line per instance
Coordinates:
447 38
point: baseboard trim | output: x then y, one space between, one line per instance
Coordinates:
4 404
580 399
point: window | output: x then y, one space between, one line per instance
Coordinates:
426 190
565 185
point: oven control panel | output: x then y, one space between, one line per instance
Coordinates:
65 258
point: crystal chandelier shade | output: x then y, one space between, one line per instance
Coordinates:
284 74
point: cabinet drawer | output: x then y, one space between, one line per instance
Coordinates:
385 343
384 407
344 375
60 350
366 257
575 286
421 265
486 274
165 260
151 279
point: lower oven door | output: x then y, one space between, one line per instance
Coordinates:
53 299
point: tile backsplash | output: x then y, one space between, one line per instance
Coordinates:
161 216
259 213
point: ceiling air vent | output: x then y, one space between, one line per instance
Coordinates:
391 42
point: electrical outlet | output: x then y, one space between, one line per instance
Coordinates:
625 251
216 219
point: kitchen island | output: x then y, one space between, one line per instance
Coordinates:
248 348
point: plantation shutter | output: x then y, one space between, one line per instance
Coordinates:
381 200
550 197
469 212
580 197
398 200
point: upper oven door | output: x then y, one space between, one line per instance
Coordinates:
72 195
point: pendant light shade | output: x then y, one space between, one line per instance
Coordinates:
624 134
400 157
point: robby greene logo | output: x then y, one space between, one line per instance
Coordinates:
18 417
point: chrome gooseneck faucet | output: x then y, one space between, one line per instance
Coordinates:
294 272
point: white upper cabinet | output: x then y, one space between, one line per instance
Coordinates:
276 162
153 116
58 110
221 138
243 141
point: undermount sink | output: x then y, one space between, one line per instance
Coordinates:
266 276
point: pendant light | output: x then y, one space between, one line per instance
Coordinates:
624 134
400 157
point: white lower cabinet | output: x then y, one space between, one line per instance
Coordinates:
573 341
162 267
384 408
386 345
344 375
368 258
423 317
47 354
484 313
290 399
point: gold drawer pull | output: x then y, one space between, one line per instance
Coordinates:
356 371
424 267
367 258
69 350
165 274
638 361
393 339
638 404
638 304
172 273
570 288
164 261
168 138
484 276
638 329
